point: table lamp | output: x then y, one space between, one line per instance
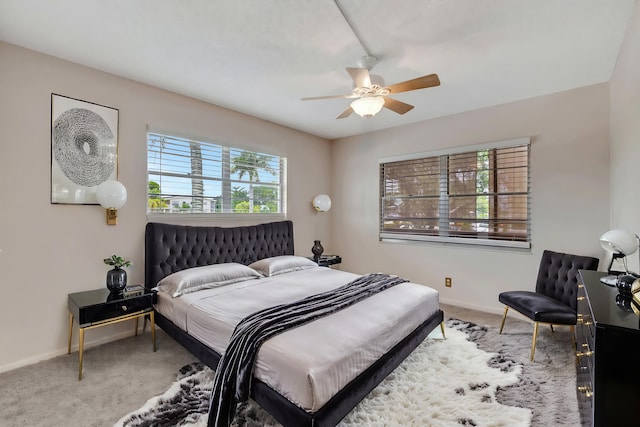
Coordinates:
619 244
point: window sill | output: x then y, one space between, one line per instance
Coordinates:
444 241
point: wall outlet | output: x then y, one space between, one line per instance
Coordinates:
447 282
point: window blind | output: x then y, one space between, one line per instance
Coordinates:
481 196
191 176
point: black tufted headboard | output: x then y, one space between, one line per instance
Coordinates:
170 248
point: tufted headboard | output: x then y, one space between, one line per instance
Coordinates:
169 248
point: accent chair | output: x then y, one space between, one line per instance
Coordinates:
555 299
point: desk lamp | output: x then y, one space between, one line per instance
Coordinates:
619 244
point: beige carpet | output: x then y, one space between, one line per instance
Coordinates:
120 377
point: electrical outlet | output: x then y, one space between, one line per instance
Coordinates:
447 282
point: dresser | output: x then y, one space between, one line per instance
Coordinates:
607 355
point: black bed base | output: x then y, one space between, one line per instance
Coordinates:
339 405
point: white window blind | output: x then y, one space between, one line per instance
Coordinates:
189 176
480 196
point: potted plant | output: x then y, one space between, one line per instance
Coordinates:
117 277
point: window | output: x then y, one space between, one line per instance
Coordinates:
187 176
475 195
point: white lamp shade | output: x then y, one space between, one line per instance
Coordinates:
620 241
111 194
368 106
322 202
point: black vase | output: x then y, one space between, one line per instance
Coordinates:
116 280
317 249
625 283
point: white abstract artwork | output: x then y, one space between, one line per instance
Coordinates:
84 149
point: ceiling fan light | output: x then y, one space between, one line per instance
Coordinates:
368 106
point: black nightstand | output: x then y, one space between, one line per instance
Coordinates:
326 260
99 307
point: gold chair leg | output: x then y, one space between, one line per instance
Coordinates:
506 308
572 329
442 329
535 337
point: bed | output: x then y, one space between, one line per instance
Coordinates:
181 249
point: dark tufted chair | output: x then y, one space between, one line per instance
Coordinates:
555 299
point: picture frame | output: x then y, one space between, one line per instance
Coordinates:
84 149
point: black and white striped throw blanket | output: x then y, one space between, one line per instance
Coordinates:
232 382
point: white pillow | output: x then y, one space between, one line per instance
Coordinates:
282 264
206 277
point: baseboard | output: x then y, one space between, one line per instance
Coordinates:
63 351
485 309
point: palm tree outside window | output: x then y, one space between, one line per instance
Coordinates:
192 176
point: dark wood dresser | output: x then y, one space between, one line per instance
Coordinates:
607 351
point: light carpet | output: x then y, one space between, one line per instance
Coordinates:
448 382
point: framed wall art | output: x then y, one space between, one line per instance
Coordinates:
84 149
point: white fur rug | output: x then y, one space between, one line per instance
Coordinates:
442 383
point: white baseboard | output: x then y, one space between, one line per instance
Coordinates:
485 309
63 351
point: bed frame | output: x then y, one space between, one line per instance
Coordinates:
170 248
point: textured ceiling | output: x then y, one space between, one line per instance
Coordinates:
260 57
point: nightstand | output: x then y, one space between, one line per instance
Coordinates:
99 307
326 260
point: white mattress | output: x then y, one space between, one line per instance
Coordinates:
308 364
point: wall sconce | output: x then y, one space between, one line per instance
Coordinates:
111 195
321 202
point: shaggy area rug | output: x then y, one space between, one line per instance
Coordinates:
448 382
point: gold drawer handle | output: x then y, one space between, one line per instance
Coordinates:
586 390
584 353
581 298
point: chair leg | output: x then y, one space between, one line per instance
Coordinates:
572 329
535 337
442 329
551 326
506 308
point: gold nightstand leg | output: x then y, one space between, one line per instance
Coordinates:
80 351
153 328
70 331
442 329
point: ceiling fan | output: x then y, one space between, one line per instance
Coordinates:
371 94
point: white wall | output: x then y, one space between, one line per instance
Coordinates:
569 181
50 250
625 135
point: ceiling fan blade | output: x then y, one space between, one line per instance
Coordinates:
327 97
360 76
396 106
346 113
419 83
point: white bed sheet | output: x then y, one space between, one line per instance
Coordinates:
311 363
